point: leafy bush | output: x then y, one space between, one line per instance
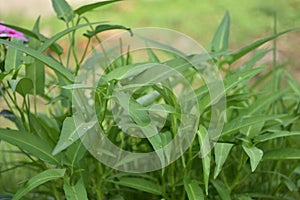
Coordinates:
256 156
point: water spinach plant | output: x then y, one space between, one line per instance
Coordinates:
256 155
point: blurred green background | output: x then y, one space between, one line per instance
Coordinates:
251 19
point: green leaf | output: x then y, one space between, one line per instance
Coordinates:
23 30
221 189
204 143
13 58
51 41
220 40
38 180
75 153
69 134
41 129
22 86
263 102
221 153
89 7
53 64
230 82
77 192
141 185
105 27
30 143
255 154
234 56
242 122
63 10
282 154
35 69
193 190
277 134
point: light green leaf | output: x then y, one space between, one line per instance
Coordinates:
140 184
13 58
63 10
69 134
242 122
221 153
38 180
193 190
50 62
30 143
282 154
220 40
205 154
75 153
255 154
89 7
277 134
77 192
221 189
35 69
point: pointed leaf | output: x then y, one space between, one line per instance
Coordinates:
105 27
243 51
53 64
220 40
277 134
63 10
193 190
89 7
13 57
282 154
221 189
205 154
255 155
22 86
38 180
30 143
77 192
141 185
221 153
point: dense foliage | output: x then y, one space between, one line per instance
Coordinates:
256 156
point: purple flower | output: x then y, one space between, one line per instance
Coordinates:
11 33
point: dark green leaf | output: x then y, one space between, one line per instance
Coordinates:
89 7
141 185
30 143
243 51
53 64
282 154
51 41
23 30
221 189
38 180
105 27
22 86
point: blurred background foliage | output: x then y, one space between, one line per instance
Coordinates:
251 19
